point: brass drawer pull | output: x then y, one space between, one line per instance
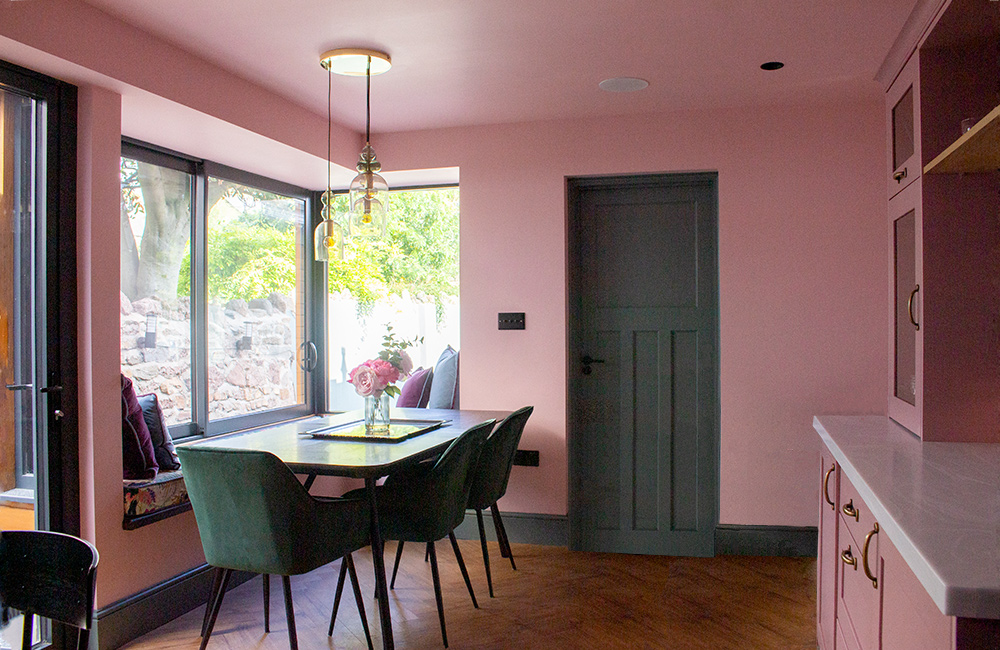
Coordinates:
900 175
864 555
909 307
826 487
851 511
849 558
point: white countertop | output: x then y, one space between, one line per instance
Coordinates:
939 503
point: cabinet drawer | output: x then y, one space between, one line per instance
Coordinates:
860 603
856 517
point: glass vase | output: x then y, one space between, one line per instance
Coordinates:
377 415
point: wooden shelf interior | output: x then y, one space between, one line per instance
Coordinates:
978 150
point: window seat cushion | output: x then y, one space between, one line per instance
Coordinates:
147 501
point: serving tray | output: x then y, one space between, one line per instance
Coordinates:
399 430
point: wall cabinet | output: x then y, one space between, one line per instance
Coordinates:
944 229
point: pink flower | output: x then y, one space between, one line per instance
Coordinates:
365 380
384 371
405 364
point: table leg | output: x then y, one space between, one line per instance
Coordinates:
381 590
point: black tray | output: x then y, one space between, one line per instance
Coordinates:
399 430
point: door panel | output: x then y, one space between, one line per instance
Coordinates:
643 308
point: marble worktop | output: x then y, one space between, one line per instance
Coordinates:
939 503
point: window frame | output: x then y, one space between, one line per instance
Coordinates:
313 316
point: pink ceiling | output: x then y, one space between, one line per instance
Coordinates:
462 62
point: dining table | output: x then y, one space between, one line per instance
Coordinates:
331 445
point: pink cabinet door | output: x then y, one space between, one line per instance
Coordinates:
903 127
826 567
910 619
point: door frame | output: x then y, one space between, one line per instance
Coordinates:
575 186
60 447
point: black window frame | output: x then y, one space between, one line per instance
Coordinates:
314 276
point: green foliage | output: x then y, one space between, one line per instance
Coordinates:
419 254
252 256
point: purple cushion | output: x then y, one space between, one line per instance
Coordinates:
138 457
163 445
416 390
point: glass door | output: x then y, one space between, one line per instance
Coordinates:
21 197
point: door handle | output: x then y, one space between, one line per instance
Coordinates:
310 356
587 360
20 386
51 389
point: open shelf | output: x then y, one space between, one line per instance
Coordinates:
978 150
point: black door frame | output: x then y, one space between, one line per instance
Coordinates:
574 187
62 440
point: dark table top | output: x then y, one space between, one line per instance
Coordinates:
305 454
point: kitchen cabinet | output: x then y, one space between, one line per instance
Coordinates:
944 229
827 567
888 550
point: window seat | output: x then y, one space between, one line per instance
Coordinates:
149 501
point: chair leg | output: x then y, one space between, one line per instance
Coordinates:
358 598
216 601
336 597
486 553
286 583
502 532
437 590
461 565
395 565
267 603
216 581
29 620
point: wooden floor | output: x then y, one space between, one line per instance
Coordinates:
555 599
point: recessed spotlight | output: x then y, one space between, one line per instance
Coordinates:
623 84
772 65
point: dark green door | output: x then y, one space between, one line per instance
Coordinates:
643 364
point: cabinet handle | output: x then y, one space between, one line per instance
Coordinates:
826 487
849 558
909 306
900 175
851 511
864 555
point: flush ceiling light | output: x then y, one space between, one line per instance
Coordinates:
623 84
353 61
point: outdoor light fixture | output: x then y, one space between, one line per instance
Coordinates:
246 342
150 339
369 192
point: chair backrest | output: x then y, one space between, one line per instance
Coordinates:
49 574
254 515
435 504
496 460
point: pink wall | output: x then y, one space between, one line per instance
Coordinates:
802 289
802 271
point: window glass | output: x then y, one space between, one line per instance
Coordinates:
407 281
156 208
256 306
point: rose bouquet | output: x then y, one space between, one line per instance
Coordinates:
379 375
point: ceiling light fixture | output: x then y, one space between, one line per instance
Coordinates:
328 237
369 192
623 84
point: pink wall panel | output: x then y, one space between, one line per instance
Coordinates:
802 286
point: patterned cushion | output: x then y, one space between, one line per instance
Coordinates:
144 497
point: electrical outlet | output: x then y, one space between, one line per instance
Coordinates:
510 321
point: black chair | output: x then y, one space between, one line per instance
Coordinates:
253 515
427 503
49 574
490 481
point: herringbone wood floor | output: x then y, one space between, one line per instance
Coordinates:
555 599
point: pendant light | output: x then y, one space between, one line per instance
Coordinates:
328 237
369 192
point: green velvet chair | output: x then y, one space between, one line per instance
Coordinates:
254 515
427 503
49 574
490 481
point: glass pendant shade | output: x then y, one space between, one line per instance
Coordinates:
328 241
369 195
